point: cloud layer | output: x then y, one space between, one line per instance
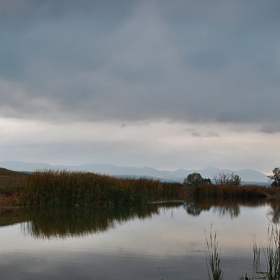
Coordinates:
159 83
141 61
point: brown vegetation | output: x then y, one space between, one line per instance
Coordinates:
12 184
233 191
88 189
68 188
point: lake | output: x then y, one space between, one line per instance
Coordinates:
157 241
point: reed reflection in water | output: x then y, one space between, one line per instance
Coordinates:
157 241
75 222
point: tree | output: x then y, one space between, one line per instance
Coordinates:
195 179
275 177
227 179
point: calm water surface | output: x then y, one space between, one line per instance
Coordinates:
159 241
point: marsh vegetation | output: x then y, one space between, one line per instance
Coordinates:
64 188
84 189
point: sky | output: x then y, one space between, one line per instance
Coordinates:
158 83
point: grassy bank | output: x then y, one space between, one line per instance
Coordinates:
12 184
67 188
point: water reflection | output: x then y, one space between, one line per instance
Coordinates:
274 212
194 208
223 207
11 216
68 222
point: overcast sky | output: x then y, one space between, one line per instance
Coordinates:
165 84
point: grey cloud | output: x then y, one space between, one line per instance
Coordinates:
210 134
195 134
206 61
56 9
213 134
270 128
9 6
137 62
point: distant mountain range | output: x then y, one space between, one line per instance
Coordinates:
246 175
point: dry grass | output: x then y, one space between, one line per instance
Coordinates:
11 186
63 188
232 191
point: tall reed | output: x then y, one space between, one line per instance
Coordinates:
271 252
67 188
213 257
272 255
233 191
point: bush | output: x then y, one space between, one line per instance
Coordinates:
227 179
194 180
275 177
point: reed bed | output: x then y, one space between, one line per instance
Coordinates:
233 191
74 188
